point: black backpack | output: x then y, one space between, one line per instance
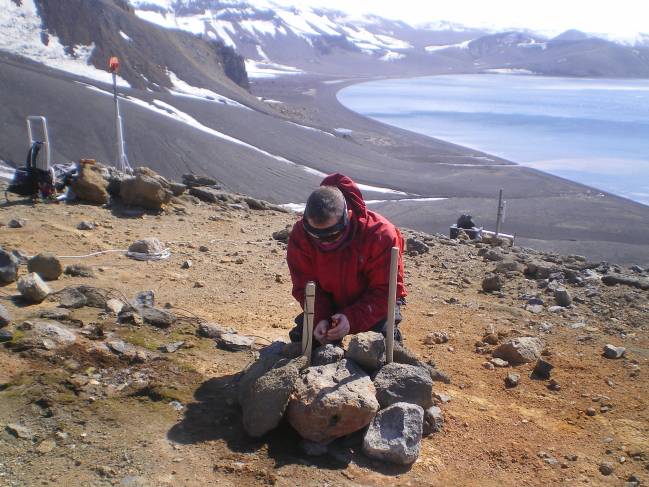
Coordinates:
26 179
466 222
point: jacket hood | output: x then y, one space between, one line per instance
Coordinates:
350 191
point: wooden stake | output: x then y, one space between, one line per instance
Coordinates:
307 328
392 301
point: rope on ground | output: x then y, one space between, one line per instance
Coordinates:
165 254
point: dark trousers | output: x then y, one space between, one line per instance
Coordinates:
381 327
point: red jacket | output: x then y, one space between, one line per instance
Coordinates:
353 279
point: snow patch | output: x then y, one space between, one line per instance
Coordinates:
124 36
508 71
459 45
185 89
261 69
392 56
6 172
20 33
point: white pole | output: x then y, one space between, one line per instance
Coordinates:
307 328
392 301
121 161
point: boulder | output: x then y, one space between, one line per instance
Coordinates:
542 369
562 297
8 267
395 434
211 195
32 288
95 297
632 281
540 269
433 421
269 356
16 223
49 335
46 265
177 189
282 235
492 282
520 350
85 225
367 350
91 186
145 191
5 317
268 397
331 401
327 354
493 255
404 383
212 330
72 298
157 317
192 180
114 306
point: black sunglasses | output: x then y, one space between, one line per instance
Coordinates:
328 234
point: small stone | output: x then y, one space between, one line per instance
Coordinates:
8 267
79 270
32 288
562 297
186 264
433 421
114 306
553 385
46 265
6 335
117 346
542 369
395 434
512 380
547 458
520 350
488 366
19 431
147 246
199 284
144 298
491 339
591 412
613 352
212 330
5 318
16 223
203 248
313 449
498 362
327 354
367 350
606 468
85 225
171 347
442 398
235 342
414 245
46 446
436 338
571 457
492 282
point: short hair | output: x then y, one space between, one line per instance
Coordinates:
323 203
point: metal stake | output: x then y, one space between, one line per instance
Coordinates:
392 301
501 210
307 328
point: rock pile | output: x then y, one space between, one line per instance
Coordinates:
335 397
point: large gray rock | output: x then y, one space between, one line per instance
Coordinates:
367 350
331 401
49 335
327 354
520 350
395 434
212 330
144 191
235 342
613 279
72 298
268 357
79 270
508 266
404 383
8 267
32 288
157 317
268 397
414 245
5 317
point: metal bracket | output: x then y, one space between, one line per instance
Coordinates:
46 136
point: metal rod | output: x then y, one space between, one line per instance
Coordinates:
307 328
121 161
392 301
501 208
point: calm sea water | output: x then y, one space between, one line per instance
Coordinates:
594 131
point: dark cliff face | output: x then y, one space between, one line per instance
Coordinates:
147 52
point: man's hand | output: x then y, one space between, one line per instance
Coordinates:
320 331
340 327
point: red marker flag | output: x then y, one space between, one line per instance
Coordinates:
113 64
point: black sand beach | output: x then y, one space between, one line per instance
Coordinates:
544 211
